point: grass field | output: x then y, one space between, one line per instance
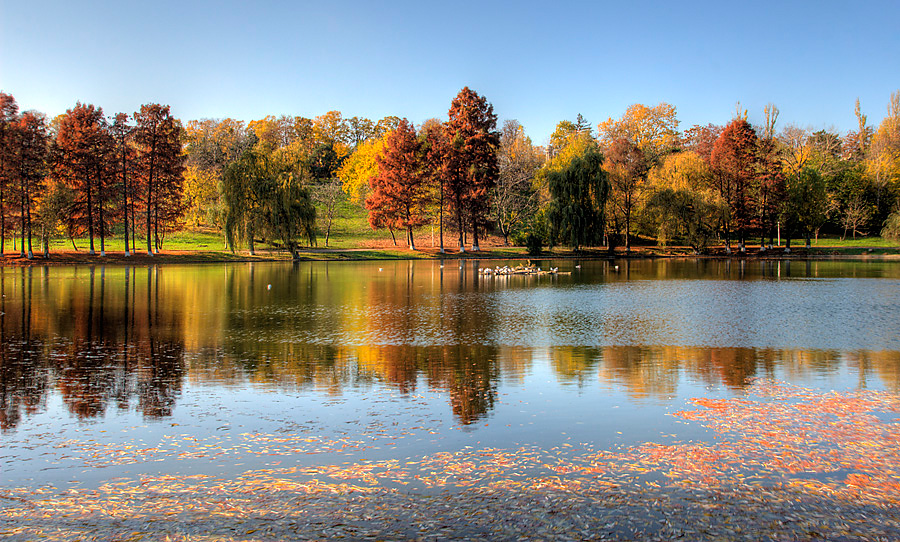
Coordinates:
352 238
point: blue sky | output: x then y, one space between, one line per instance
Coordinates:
538 62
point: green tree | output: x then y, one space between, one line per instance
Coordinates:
806 204
266 198
578 194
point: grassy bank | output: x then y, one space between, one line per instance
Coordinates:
352 239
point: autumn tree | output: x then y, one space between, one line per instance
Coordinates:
883 158
211 145
359 130
653 130
9 112
157 137
323 166
681 202
53 211
769 185
331 128
437 152
578 196
84 158
700 140
359 167
472 161
124 157
514 199
30 150
399 191
627 169
733 161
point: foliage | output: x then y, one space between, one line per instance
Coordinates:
514 199
160 163
266 198
84 158
359 167
682 214
805 206
654 130
30 140
578 195
733 160
681 171
399 193
891 228
470 160
626 167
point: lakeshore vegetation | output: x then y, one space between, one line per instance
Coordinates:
129 182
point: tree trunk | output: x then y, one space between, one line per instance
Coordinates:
409 235
2 227
391 229
149 194
22 216
125 199
102 233
28 210
459 224
441 227
90 206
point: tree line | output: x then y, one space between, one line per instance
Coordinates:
284 180
84 173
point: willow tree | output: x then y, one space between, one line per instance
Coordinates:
578 193
266 198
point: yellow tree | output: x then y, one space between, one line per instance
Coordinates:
654 130
681 171
883 161
359 167
332 128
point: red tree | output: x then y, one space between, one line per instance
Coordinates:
628 170
9 114
399 190
123 135
29 168
161 168
471 160
701 139
733 160
84 160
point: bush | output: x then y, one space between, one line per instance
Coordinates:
892 227
534 244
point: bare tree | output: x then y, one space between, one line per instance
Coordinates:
514 199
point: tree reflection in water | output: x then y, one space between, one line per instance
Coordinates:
128 338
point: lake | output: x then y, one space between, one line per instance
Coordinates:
697 398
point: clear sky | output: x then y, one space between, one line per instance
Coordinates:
538 62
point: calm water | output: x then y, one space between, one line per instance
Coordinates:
110 372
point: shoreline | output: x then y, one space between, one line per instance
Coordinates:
193 257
